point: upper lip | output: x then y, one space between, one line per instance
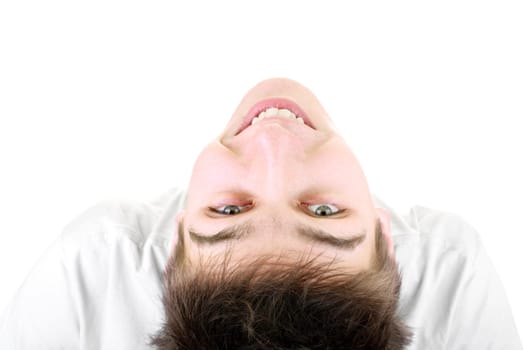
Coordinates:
281 103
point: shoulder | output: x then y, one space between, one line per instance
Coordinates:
420 225
435 257
425 236
114 216
123 222
110 256
447 230
422 234
441 250
451 285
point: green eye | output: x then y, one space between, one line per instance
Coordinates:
323 209
229 209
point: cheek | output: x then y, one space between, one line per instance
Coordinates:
212 170
208 168
340 163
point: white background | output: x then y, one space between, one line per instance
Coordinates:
114 100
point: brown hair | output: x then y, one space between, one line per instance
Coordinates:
296 304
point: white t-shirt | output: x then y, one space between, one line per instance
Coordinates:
99 285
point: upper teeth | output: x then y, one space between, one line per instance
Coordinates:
274 112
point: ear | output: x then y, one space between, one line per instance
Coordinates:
385 221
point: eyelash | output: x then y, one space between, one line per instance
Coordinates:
219 211
338 211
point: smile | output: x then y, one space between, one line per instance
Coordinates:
275 108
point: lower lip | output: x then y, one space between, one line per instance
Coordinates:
280 103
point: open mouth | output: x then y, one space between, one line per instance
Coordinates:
275 108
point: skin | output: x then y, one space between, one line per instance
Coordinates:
274 170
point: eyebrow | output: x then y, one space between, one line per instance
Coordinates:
240 231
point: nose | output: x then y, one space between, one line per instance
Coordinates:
275 156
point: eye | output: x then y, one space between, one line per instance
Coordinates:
229 209
323 209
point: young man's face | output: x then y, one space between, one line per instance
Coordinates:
284 183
